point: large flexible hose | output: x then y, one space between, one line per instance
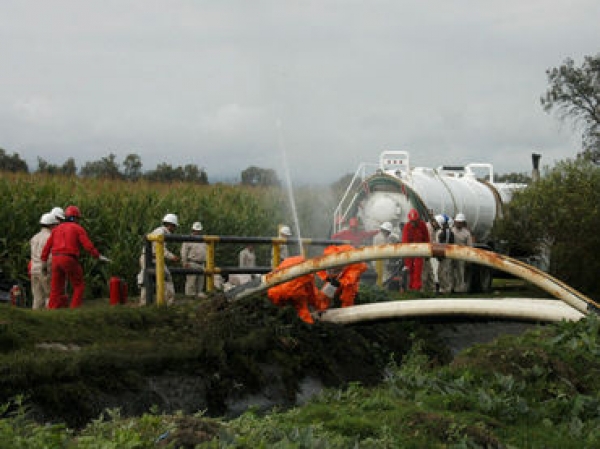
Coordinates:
551 285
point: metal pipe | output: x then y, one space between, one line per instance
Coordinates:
519 269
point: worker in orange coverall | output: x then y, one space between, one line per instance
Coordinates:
300 292
340 282
415 231
64 243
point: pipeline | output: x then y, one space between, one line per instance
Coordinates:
500 262
522 309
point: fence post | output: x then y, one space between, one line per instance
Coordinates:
276 254
210 265
160 268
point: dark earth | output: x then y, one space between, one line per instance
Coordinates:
222 358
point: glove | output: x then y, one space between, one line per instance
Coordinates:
45 269
103 258
334 281
330 287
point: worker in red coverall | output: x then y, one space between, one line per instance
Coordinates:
64 243
340 282
357 237
300 292
415 231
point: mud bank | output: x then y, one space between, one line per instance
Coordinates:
219 357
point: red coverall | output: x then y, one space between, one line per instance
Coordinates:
349 278
64 243
300 292
415 232
355 236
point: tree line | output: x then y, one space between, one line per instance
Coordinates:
131 170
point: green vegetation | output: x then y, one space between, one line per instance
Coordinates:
559 215
537 390
118 214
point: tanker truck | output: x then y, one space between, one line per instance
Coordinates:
387 190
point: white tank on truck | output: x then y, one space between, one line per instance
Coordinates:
387 191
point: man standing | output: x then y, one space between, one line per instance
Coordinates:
170 222
462 236
247 257
356 236
430 265
284 252
193 255
415 231
64 244
445 271
383 237
40 282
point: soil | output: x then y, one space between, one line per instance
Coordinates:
228 357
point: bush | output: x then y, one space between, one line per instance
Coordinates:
562 211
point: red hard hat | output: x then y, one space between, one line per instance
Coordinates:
72 211
413 215
353 222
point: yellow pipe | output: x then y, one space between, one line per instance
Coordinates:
160 267
210 265
276 253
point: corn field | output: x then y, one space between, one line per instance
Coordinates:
118 214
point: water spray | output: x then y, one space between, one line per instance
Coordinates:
288 182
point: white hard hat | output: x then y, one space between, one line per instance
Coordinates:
460 217
58 212
171 218
386 226
48 219
440 220
197 226
285 230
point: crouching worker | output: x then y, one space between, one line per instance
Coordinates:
300 292
340 283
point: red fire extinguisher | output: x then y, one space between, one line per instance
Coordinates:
15 295
118 291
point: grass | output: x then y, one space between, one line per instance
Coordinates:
537 390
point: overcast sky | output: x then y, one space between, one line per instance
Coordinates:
229 84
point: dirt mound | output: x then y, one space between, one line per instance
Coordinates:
219 357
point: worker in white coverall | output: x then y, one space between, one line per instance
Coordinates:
247 259
170 222
284 252
40 282
193 255
430 265
462 236
446 267
383 237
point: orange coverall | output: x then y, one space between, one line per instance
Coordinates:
300 292
348 278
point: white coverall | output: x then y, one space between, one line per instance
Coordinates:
169 286
40 284
193 255
462 236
